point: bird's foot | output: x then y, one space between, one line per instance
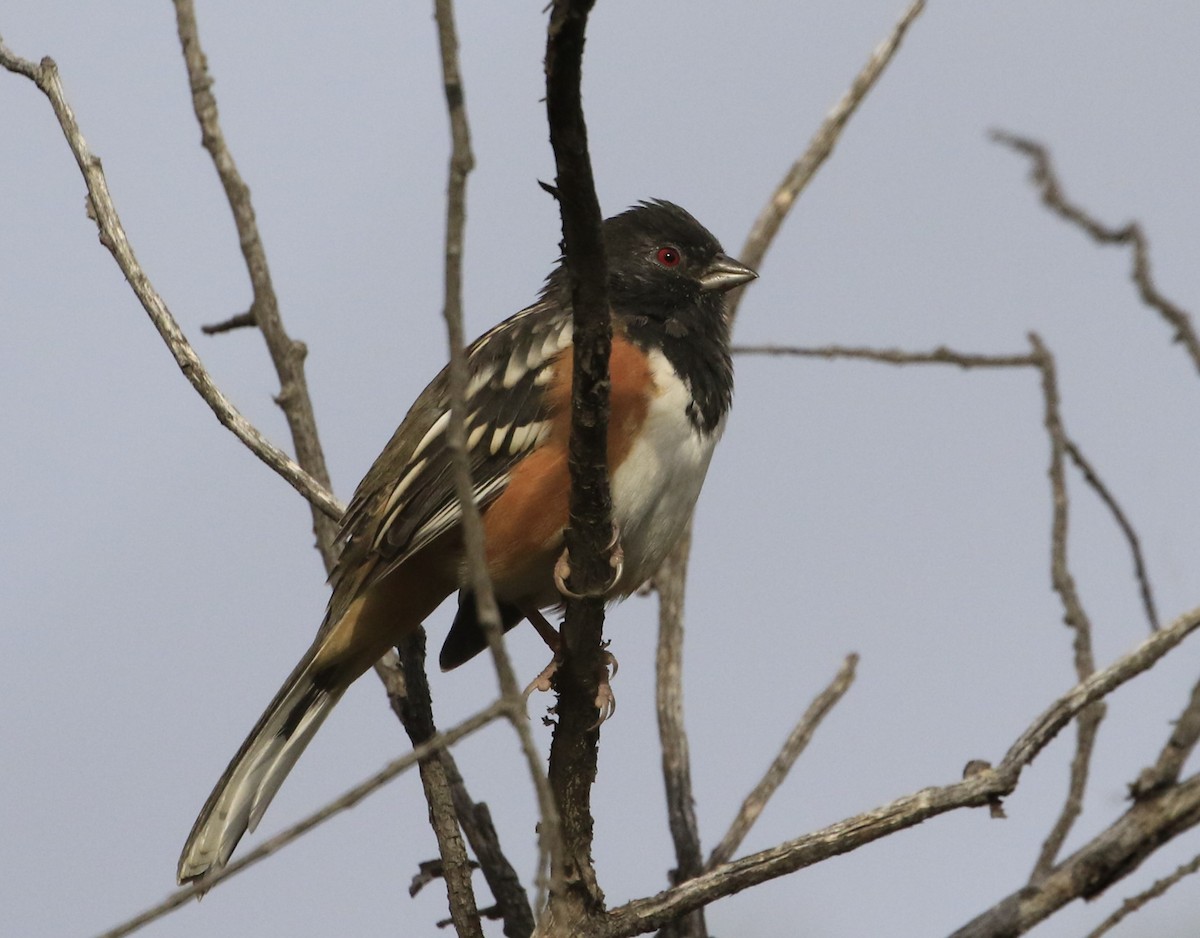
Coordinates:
605 702
616 559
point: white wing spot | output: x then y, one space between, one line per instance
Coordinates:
550 346
479 380
515 371
528 436
498 438
475 436
393 501
438 427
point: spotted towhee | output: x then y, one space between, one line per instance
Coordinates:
401 554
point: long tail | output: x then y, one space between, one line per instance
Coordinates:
262 763
363 629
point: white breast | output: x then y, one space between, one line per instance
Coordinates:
655 488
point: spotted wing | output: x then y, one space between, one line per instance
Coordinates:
407 499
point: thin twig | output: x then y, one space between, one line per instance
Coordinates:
1179 746
672 734
410 699
981 789
240 321
461 163
1092 477
348 799
287 355
946 356
1142 898
1044 177
772 215
938 356
575 895
1064 584
795 744
112 235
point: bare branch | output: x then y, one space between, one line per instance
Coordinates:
938 356
410 699
112 235
499 708
512 902
1043 176
1074 615
672 734
1092 477
240 321
1104 860
945 356
1142 898
771 217
286 354
982 788
462 161
575 893
795 744
1175 753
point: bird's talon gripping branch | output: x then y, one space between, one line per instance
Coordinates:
545 679
606 700
616 559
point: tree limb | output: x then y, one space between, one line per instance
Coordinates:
575 893
1107 858
112 235
982 788
1044 177
461 163
286 354
1089 721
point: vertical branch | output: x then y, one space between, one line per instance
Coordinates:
411 701
672 734
576 895
1088 723
461 163
287 354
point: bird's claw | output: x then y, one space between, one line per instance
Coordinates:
616 559
606 700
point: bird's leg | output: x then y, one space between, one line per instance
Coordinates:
616 558
606 701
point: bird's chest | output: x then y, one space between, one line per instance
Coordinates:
655 486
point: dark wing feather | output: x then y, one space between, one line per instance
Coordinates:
407 498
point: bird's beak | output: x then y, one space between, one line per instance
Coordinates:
724 273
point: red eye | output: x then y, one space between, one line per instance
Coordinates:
668 257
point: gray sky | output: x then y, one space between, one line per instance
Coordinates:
159 582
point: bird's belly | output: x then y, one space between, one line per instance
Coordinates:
656 486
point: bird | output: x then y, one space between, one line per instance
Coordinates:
401 551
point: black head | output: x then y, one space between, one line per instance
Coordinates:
659 256
666 277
